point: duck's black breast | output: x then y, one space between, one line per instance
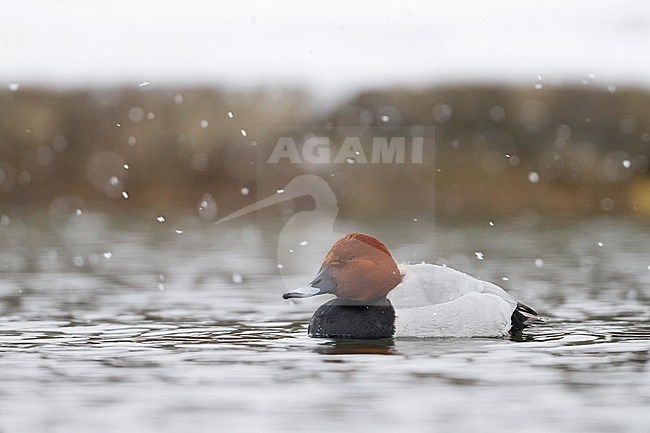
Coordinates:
341 318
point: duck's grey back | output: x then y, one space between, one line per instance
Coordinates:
437 301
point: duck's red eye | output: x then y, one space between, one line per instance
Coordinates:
350 257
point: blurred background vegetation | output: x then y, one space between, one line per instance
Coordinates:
499 150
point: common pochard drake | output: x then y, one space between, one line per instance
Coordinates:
376 298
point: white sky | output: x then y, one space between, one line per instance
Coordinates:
331 47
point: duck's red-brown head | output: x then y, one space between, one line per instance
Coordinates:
358 267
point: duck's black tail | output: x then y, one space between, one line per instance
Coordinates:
522 317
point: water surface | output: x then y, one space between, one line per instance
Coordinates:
124 325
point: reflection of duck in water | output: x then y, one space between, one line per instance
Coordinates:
358 347
377 299
300 226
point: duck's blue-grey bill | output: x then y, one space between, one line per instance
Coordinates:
305 291
321 284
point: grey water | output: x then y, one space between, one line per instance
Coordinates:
131 325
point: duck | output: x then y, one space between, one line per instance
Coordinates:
375 298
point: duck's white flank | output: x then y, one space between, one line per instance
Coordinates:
437 301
